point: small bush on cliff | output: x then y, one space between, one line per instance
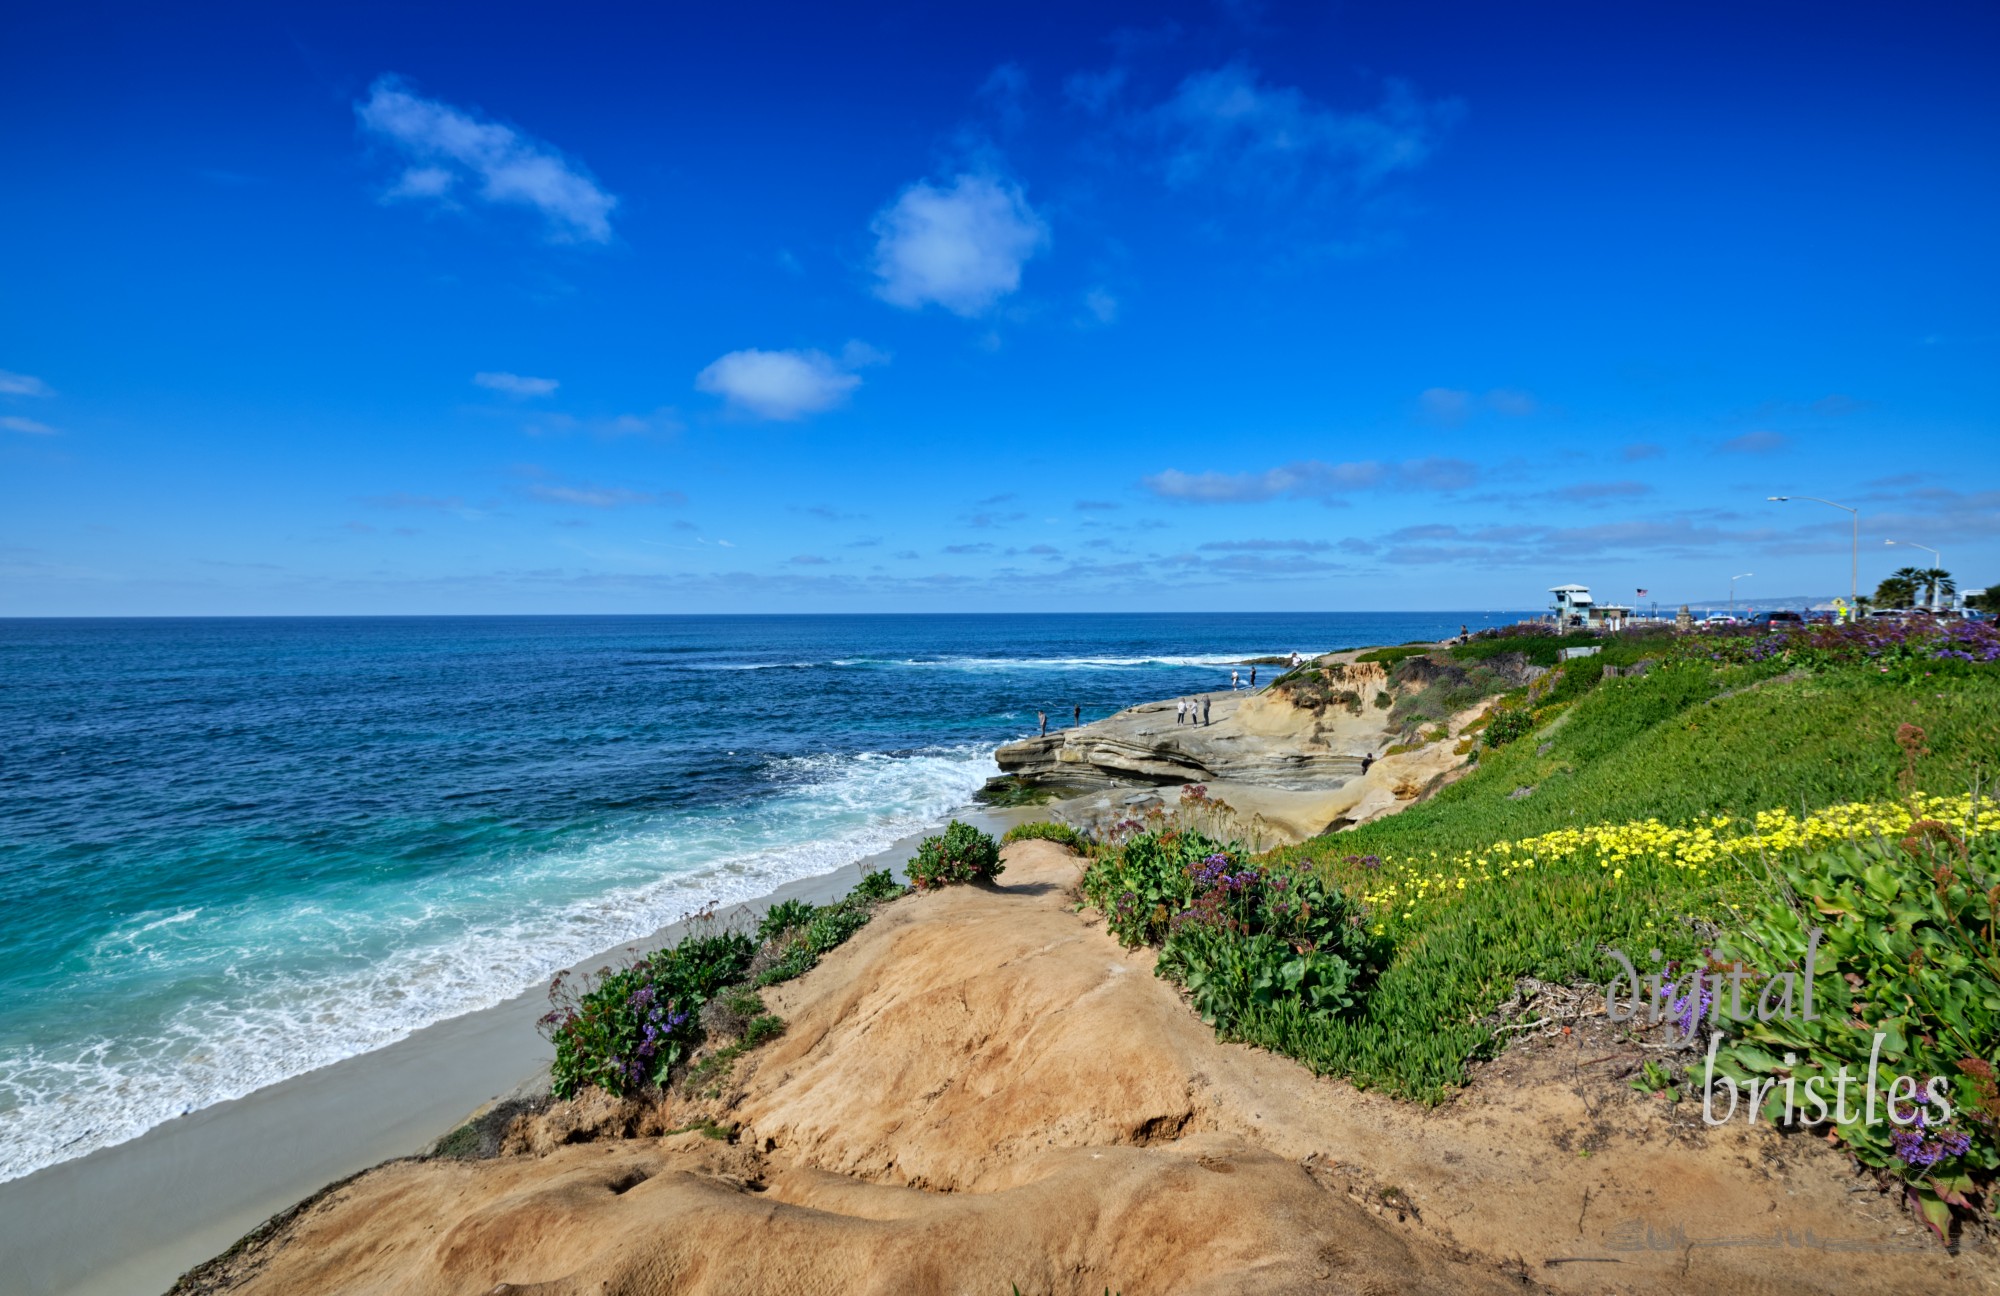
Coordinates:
1047 830
961 854
794 949
626 1030
1239 939
879 885
1507 724
637 1024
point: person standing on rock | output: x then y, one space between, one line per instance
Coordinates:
1076 715
1042 717
1366 761
1204 712
1253 677
1180 712
1234 677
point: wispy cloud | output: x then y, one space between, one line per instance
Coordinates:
1267 546
1227 126
1587 492
26 426
1097 506
14 384
601 497
515 385
1756 443
1311 479
662 422
1641 450
778 385
1450 406
449 151
961 246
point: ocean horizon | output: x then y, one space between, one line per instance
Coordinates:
233 850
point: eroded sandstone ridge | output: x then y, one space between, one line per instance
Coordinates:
982 1092
1260 737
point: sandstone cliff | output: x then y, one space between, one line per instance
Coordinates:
981 1092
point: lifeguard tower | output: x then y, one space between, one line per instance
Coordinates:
1572 606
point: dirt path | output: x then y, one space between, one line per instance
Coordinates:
982 1091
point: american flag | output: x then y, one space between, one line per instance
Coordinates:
1642 593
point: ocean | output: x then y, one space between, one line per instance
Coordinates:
235 850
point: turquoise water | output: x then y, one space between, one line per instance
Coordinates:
232 851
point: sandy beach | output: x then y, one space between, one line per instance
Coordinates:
128 1220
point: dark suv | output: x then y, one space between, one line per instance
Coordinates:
1780 620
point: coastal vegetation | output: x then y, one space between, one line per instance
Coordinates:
961 854
1711 806
631 1029
1048 830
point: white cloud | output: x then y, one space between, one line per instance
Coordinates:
601 497
783 385
29 426
1311 479
1101 304
13 384
515 384
962 247
447 147
1445 404
1224 124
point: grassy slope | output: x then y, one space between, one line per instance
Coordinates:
1674 745
1666 746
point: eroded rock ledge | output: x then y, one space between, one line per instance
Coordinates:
1260 738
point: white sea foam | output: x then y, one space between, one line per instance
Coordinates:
388 964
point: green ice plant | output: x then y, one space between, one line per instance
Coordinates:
1908 982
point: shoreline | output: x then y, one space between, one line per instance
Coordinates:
189 1188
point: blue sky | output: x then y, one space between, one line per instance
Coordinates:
512 308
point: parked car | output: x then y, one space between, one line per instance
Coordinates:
1780 620
1720 619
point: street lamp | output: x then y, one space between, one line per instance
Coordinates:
1732 590
1937 561
1854 571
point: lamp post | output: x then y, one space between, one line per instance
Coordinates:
1937 561
1854 571
1732 590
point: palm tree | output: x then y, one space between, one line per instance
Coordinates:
1899 588
1937 583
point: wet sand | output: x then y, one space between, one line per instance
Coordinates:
128 1220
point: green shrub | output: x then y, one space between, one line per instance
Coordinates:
635 1025
782 917
878 886
1507 724
962 854
1047 830
801 945
1250 939
1240 940
1912 924
1146 882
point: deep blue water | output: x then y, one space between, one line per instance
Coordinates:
235 850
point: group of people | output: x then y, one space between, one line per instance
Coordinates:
1191 711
